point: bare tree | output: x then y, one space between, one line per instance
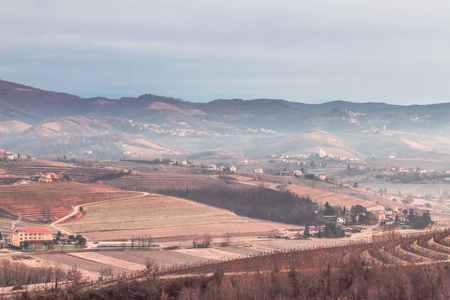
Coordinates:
226 239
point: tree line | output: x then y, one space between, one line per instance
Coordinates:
253 202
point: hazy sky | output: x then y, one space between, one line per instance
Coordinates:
306 51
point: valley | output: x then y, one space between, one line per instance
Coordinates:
155 185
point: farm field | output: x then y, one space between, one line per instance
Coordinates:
143 168
388 250
30 201
335 199
413 189
28 168
43 260
68 260
161 258
7 222
163 179
25 168
162 217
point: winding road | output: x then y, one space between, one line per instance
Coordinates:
76 209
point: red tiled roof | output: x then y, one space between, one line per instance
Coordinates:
33 229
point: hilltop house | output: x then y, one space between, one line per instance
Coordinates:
233 169
258 170
211 167
322 177
9 156
297 173
32 234
47 177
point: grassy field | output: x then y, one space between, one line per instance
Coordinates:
31 201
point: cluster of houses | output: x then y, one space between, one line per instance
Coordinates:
5 155
298 233
212 167
46 177
8 156
401 170
391 215
293 158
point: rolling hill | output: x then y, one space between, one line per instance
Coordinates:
51 123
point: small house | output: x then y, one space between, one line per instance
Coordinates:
211 167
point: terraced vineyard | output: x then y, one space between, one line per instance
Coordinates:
26 168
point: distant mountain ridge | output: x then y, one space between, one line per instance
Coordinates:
62 123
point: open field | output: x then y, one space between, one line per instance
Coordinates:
161 258
31 201
334 199
87 265
162 217
42 260
162 179
413 189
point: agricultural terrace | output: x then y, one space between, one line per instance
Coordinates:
334 199
35 201
162 216
85 174
161 179
30 167
147 168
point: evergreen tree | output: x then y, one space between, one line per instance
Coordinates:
306 232
329 210
424 221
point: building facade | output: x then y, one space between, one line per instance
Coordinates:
32 234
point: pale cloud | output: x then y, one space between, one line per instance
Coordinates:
309 51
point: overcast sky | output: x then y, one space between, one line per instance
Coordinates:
305 51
